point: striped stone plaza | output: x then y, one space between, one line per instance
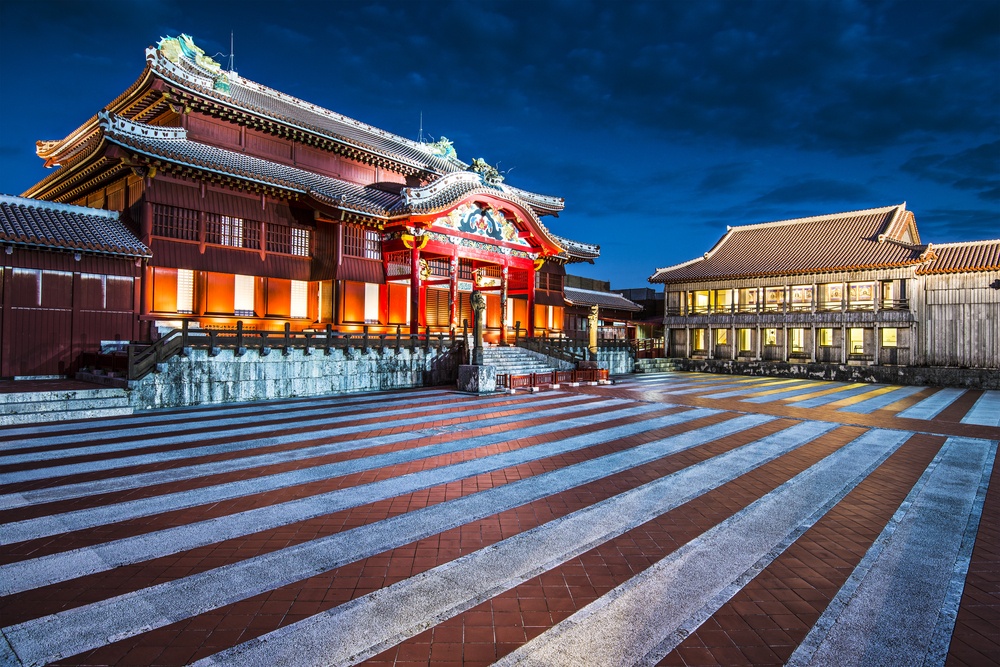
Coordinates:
671 518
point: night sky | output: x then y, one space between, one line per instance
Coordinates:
659 122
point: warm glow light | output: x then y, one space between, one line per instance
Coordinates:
185 291
300 293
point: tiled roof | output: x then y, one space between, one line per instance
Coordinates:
960 257
587 297
269 103
853 240
42 224
172 144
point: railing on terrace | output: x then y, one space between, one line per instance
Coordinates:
571 347
506 381
648 348
143 358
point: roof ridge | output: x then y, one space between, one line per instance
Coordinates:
963 243
594 291
205 79
14 200
818 218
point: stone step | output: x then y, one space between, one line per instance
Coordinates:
63 415
60 395
32 407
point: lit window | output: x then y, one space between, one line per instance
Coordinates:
890 337
699 339
371 303
746 340
300 292
825 337
300 242
721 336
231 231
244 296
798 338
770 336
857 341
185 291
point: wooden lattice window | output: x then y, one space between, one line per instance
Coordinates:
362 242
230 231
173 222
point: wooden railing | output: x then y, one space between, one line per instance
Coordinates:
144 358
648 348
506 381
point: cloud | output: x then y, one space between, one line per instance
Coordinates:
976 169
816 190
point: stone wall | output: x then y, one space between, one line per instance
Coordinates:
934 376
200 378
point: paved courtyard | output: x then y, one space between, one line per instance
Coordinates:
676 519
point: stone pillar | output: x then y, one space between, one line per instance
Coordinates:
592 330
478 302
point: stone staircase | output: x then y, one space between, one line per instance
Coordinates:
34 407
514 361
655 365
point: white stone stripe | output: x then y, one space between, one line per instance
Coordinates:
140 480
637 622
247 446
365 626
834 397
901 597
154 421
985 411
28 574
797 391
697 389
763 386
77 630
91 517
933 405
872 404
195 432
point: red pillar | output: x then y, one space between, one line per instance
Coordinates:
531 302
453 292
416 289
504 276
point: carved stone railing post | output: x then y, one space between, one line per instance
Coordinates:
478 302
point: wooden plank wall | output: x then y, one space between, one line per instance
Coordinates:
959 318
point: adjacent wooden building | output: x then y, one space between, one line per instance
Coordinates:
263 208
847 288
69 278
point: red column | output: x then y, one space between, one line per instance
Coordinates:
453 292
416 288
504 275
531 302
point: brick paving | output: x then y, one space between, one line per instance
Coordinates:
360 529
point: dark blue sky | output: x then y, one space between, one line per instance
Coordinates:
659 122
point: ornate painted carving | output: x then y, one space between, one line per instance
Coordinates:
488 222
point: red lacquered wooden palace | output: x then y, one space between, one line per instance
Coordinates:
260 207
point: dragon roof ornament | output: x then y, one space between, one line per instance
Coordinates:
176 49
489 174
443 148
